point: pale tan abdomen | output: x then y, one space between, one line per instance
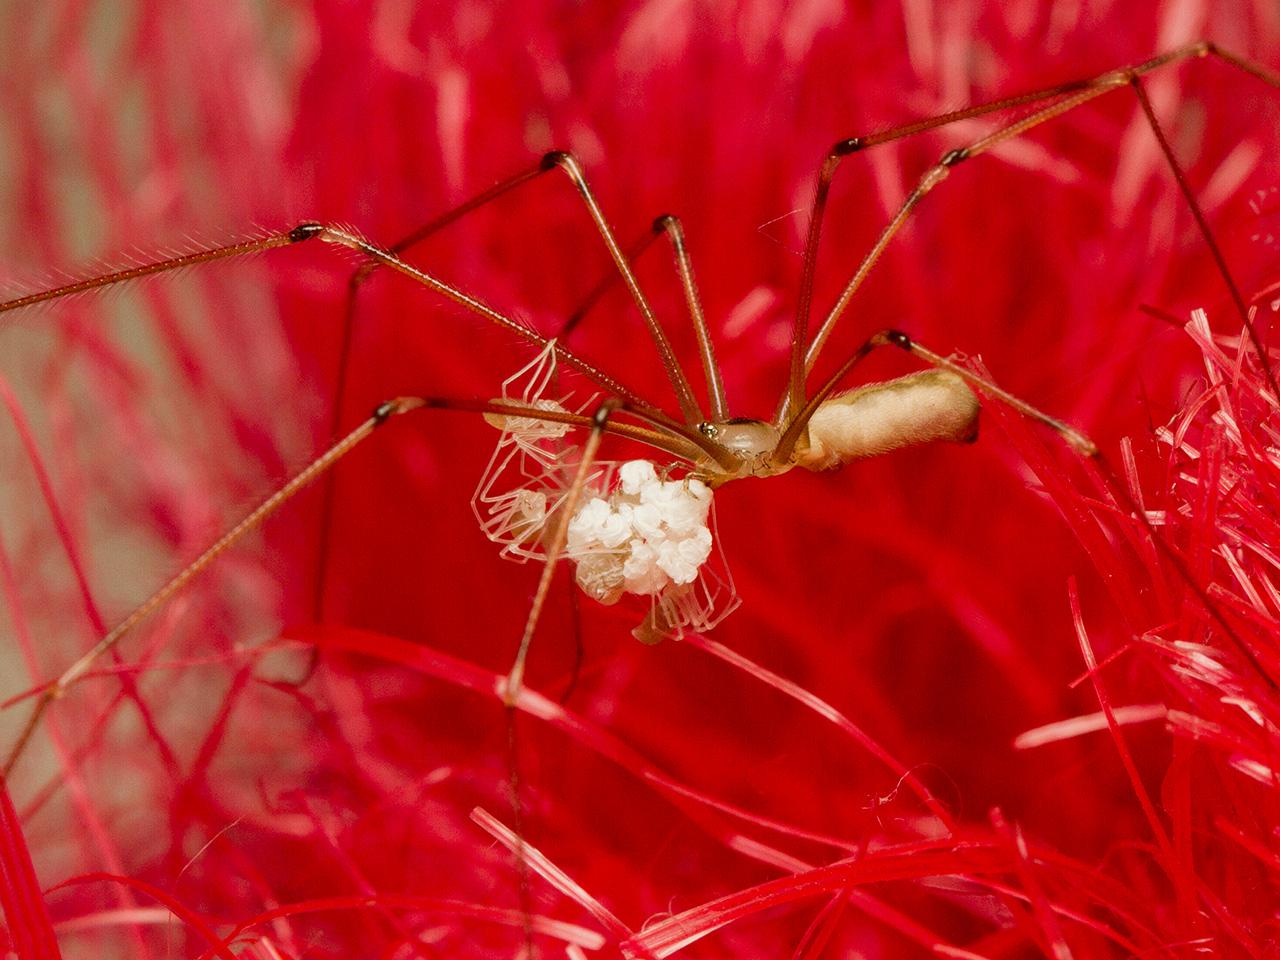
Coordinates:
880 417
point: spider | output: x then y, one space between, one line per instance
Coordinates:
818 428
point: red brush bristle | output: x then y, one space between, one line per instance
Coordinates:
284 762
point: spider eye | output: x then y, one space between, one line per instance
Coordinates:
709 430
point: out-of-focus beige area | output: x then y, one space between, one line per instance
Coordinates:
130 131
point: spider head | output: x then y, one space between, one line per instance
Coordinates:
751 442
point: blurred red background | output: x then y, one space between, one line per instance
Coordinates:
923 596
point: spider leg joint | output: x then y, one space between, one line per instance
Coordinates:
557 158
306 231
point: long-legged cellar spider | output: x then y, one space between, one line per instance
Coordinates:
566 499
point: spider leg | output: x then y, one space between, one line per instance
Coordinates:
674 230
166 265
1078 442
347 336
362 273
1205 232
573 169
376 254
633 252
634 404
931 178
515 678
267 507
826 174
684 266
402 246
599 425
1064 97
357 279
622 260
555 548
342 236
354 284
684 393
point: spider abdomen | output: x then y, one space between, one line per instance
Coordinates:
880 417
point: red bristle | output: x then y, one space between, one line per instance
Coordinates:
550 872
828 713
566 932
909 861
1050 929
823 928
30 933
1122 748
200 924
911 649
